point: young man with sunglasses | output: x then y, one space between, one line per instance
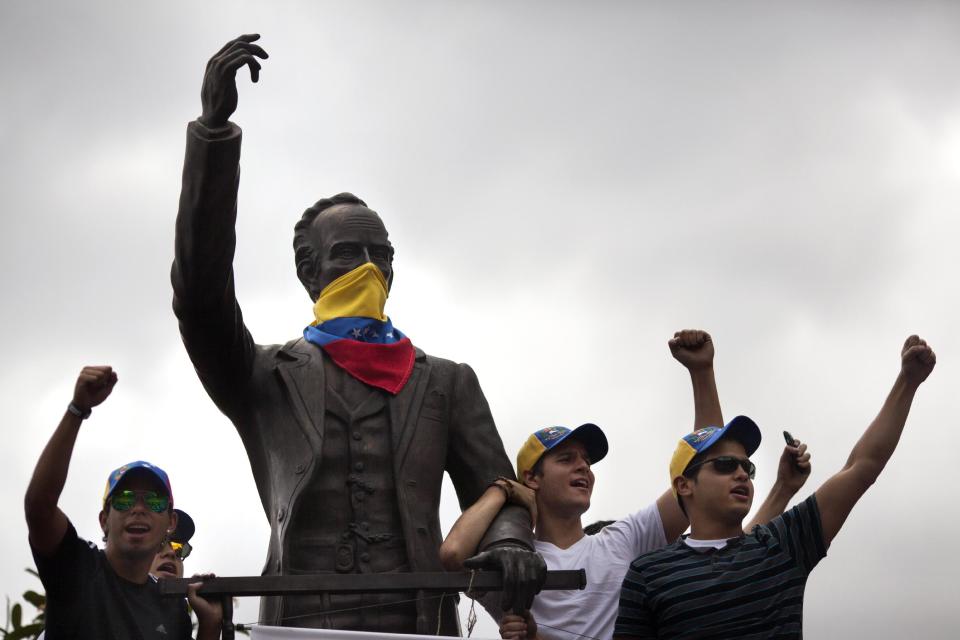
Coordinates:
107 594
555 465
719 582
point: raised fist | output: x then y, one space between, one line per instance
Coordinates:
93 386
917 360
219 93
692 348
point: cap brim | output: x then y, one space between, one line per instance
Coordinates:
743 430
185 527
593 439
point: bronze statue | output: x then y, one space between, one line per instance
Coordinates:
349 475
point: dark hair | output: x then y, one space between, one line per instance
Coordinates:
537 468
304 251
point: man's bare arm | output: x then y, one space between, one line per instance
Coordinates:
838 495
467 532
792 473
46 523
694 350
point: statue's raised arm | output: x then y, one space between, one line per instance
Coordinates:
204 301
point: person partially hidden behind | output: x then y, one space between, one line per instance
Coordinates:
719 582
168 563
108 594
556 465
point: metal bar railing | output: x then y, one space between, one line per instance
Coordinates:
230 587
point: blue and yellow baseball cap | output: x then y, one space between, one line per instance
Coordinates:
543 440
742 429
118 474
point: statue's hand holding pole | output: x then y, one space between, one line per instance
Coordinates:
219 92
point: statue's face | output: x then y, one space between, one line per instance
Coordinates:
347 236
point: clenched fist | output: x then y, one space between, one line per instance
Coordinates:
917 360
93 386
692 348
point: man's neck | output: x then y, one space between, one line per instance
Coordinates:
560 531
136 570
703 528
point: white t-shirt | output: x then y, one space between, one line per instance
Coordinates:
705 544
606 555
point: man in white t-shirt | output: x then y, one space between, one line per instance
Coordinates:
556 464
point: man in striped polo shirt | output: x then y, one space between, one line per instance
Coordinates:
718 582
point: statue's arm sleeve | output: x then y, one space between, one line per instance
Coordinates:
204 300
476 457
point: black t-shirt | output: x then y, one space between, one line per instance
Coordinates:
86 599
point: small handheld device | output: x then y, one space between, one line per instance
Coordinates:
789 438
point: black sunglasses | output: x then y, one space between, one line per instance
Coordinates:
727 464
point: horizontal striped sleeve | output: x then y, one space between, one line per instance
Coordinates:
633 618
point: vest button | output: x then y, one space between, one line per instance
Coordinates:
281 514
364 557
356 435
358 466
300 469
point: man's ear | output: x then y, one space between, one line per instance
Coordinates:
531 480
174 517
103 522
683 485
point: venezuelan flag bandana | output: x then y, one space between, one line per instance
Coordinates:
352 329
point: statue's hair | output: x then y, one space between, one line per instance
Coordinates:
303 248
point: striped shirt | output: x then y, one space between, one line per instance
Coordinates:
752 588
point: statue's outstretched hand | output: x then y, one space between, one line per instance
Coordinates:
523 573
219 93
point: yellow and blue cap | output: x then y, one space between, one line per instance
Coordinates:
119 473
545 439
742 429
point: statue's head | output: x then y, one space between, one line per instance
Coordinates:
335 236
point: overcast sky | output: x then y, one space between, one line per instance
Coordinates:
566 184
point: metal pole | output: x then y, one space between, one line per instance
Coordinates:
227 630
362 583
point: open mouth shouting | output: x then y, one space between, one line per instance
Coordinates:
741 492
166 569
137 529
580 483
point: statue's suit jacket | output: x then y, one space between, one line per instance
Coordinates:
274 394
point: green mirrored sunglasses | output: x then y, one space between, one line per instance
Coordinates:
124 500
